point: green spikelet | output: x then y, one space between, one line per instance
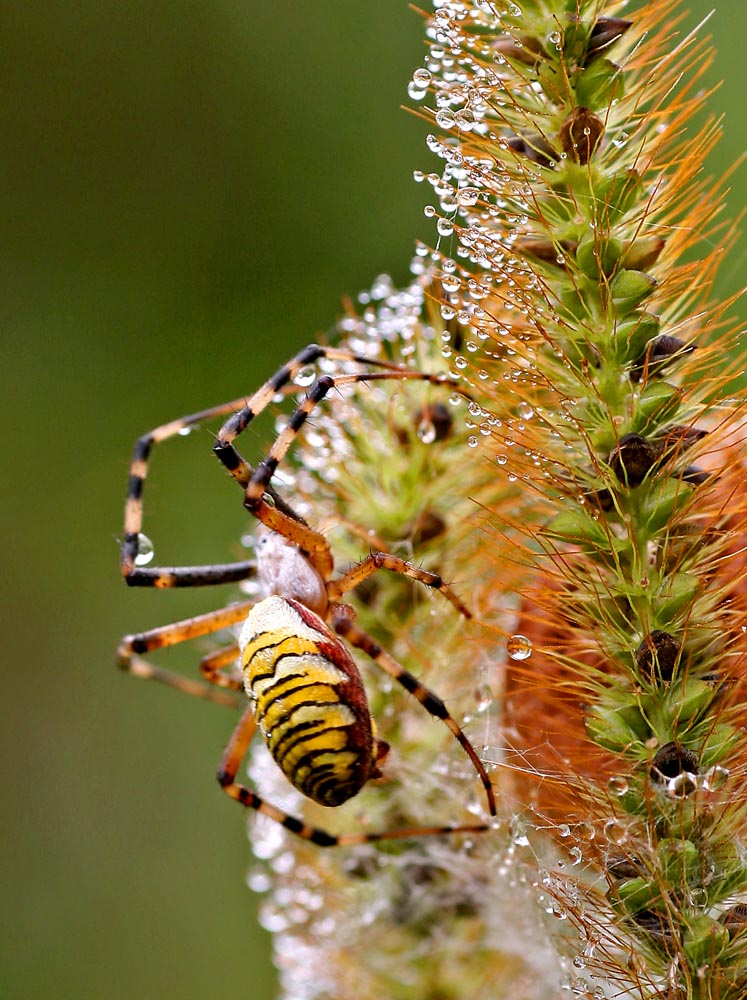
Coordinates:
586 499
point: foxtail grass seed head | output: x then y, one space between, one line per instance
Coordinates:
581 486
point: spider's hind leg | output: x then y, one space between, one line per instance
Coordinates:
232 758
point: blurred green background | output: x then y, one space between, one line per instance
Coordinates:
187 192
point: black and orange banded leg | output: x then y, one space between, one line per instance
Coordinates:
344 625
132 648
213 667
232 758
241 411
243 415
257 482
385 560
266 469
174 576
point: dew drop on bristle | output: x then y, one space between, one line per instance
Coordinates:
445 118
615 832
618 785
145 551
258 880
426 431
715 777
466 197
519 647
681 785
525 410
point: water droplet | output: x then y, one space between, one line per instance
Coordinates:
483 697
258 880
472 441
445 118
445 227
519 647
682 785
422 77
518 834
145 550
697 897
615 832
618 785
466 197
525 410
426 431
465 120
305 376
715 777
186 431
501 459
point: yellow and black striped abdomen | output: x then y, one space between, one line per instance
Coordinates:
309 700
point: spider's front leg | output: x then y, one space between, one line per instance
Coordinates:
173 576
241 411
257 482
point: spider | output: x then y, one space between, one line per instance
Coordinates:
306 694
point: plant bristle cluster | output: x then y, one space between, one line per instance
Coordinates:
586 497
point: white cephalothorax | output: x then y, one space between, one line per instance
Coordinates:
283 570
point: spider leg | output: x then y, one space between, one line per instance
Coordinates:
131 647
212 668
196 576
250 408
256 482
344 626
385 560
175 576
234 754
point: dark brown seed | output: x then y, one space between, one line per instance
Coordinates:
735 919
673 759
660 352
605 33
657 655
580 134
534 147
633 459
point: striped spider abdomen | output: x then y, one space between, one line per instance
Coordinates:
309 701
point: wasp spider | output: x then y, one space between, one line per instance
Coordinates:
305 692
